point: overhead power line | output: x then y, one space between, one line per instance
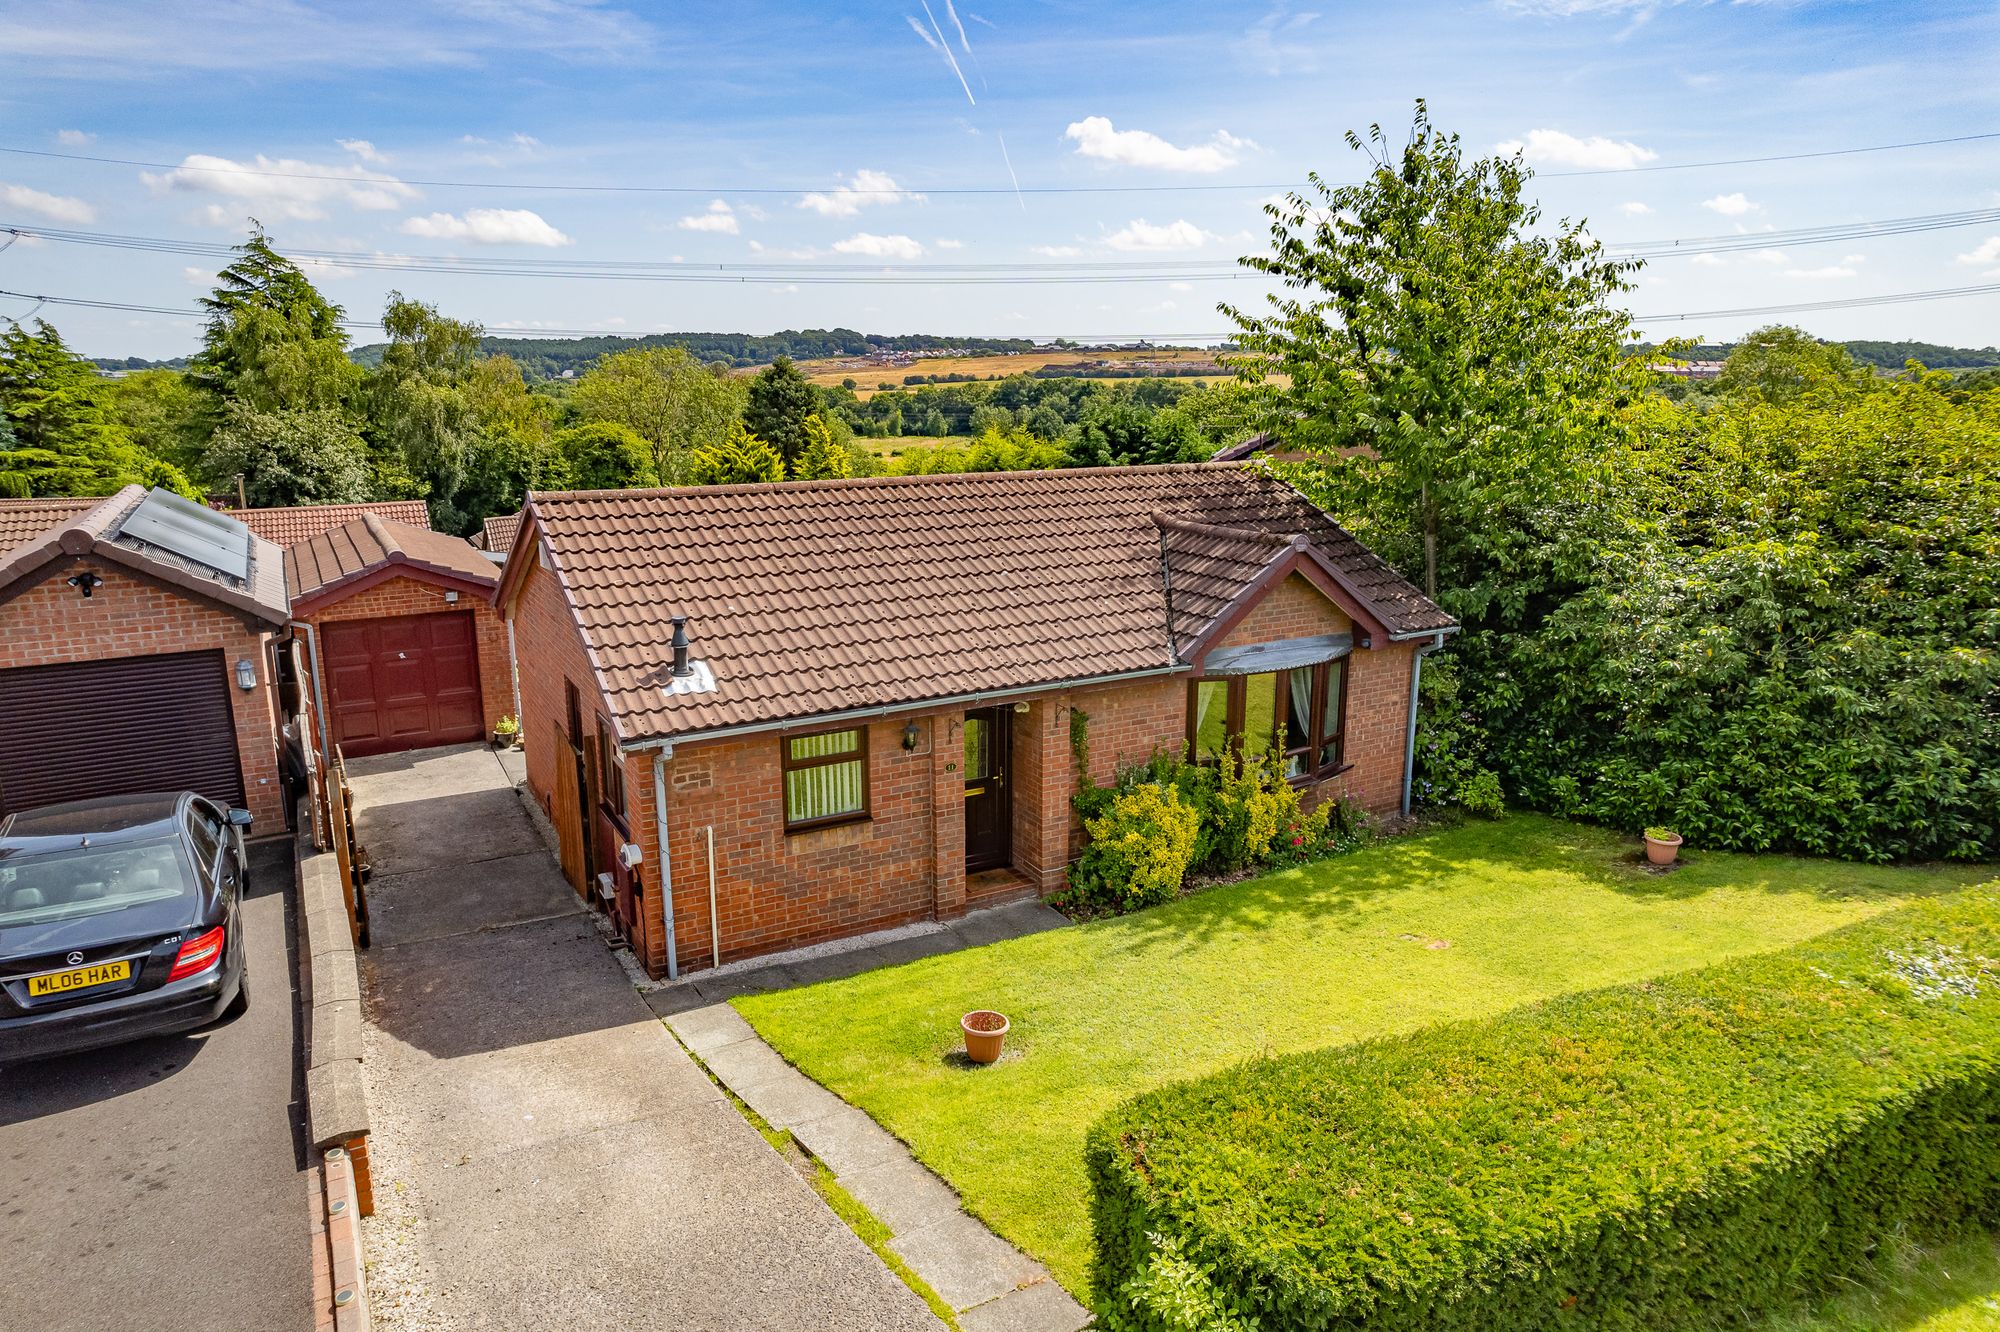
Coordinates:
760 190
942 273
1799 307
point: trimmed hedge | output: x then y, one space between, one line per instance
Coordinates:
1684 1153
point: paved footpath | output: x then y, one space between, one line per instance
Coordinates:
545 1153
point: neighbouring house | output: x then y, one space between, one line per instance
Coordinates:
414 652
859 704
288 527
497 533
139 649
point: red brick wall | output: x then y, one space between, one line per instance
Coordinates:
1292 609
413 596
129 617
776 891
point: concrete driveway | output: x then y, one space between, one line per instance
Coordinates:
545 1153
162 1180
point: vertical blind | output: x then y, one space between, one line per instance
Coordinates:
829 785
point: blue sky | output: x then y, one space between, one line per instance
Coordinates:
830 134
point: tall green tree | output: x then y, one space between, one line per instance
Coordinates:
295 456
1449 357
741 458
419 413
780 401
1780 363
667 396
273 343
60 439
603 455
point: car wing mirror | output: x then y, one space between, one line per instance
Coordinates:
239 818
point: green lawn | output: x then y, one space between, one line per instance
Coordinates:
1454 924
1950 1288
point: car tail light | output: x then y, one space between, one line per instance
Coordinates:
198 955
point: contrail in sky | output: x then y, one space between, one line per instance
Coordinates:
1010 171
942 48
965 43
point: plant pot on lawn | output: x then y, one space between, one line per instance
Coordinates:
1663 845
985 1031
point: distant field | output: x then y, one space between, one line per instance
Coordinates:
868 375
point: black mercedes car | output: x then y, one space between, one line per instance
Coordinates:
119 917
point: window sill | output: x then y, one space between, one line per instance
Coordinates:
818 825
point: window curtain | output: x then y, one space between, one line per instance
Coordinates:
1211 717
1329 727
1298 722
823 792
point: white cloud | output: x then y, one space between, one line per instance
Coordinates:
1593 154
1730 205
286 188
75 138
1986 252
1846 268
527 141
197 277
944 244
1144 237
719 217
363 149
1095 137
1057 251
487 226
1708 261
879 247
54 207
1767 257
867 189
1635 209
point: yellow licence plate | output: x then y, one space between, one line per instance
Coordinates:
79 978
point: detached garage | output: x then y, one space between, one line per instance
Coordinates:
135 653
412 651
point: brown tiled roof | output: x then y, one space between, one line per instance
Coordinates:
1209 567
302 522
498 532
317 569
815 597
21 519
97 531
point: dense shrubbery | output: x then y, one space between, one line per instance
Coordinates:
1680 1154
1165 819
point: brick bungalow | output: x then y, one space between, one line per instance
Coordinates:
852 703
415 653
138 641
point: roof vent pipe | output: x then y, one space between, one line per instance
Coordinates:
680 645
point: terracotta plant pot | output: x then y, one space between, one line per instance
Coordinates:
985 1031
1663 850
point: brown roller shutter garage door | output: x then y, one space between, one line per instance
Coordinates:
117 727
403 683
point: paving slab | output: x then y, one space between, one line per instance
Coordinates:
1042 1307
710 1027
847 1140
964 1262
1008 922
902 1194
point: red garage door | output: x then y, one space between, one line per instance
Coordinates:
403 683
118 727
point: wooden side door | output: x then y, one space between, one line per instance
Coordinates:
989 806
567 814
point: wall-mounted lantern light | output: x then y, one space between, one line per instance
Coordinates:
913 735
246 674
86 583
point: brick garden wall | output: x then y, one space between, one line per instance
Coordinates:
130 617
404 595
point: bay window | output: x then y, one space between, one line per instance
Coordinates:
1301 709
